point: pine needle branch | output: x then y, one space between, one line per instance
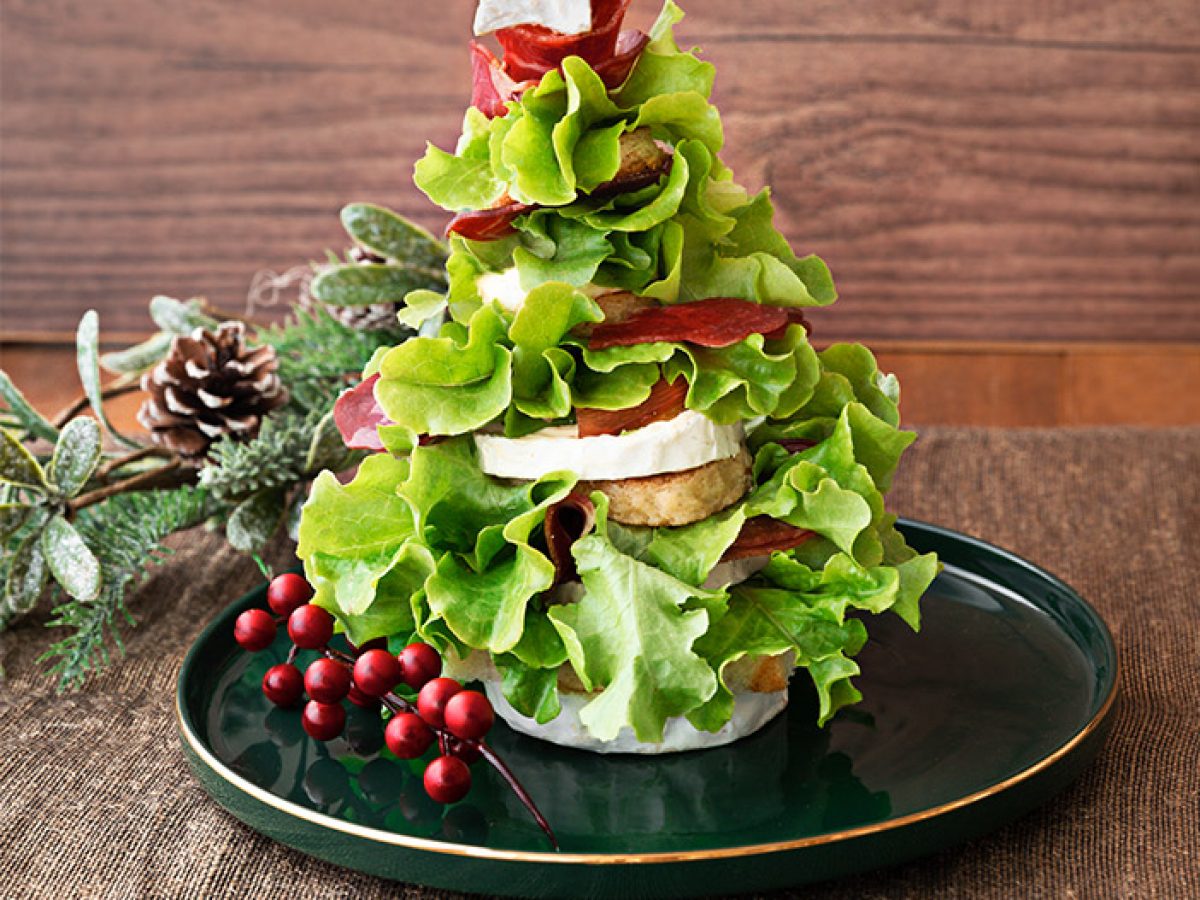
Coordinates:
125 533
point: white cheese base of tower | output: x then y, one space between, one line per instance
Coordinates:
689 440
751 711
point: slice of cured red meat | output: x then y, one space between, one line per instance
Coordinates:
716 322
795 317
488 224
666 401
762 536
614 70
530 51
566 522
358 414
491 85
794 445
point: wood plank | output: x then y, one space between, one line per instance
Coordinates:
1003 390
1155 388
1076 23
996 170
943 384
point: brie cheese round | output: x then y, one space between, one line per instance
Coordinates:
689 440
563 16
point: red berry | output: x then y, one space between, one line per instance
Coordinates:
254 630
421 665
432 699
283 685
327 681
358 698
467 752
323 721
447 779
310 627
376 672
287 592
407 735
379 643
468 715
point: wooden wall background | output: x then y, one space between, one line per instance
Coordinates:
979 173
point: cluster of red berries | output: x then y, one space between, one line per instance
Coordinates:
445 713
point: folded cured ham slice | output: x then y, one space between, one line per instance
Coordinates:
716 322
358 415
666 401
762 536
488 224
566 522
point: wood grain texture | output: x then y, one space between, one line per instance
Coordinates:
998 170
943 384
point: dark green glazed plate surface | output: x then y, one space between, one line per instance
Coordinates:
996 705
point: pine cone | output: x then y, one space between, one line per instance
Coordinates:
373 317
209 385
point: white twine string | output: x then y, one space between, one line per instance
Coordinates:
267 288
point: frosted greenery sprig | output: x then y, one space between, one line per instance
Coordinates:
84 507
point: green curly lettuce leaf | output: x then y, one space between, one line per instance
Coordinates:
354 544
463 180
663 68
542 371
450 384
639 653
558 249
479 530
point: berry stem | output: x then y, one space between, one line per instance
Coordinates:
506 773
397 704
262 567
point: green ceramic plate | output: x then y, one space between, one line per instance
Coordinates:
996 705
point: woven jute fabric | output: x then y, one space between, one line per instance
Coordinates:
97 801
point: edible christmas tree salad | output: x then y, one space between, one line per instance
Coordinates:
614 480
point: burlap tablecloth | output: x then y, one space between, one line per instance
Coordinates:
96 800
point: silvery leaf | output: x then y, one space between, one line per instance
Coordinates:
76 455
70 560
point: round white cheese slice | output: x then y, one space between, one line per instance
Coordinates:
563 16
689 440
751 711
505 288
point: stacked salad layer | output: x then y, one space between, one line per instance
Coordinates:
623 323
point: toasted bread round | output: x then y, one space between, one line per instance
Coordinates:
617 306
677 498
643 162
